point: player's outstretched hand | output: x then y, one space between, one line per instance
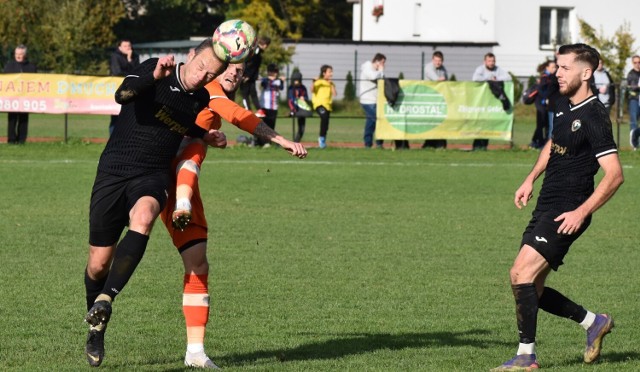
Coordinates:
215 138
294 148
523 195
164 67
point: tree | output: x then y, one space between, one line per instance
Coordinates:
614 50
349 88
267 23
67 36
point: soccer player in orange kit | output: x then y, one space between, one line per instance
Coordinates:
184 214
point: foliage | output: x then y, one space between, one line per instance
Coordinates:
63 36
349 88
517 88
453 77
267 23
161 20
401 75
614 50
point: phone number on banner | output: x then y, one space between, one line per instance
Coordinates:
23 105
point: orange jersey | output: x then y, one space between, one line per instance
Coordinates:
222 107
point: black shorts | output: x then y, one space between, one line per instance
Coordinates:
113 197
542 235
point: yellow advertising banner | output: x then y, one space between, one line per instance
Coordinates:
444 110
59 94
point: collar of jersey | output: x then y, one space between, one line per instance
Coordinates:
178 77
582 103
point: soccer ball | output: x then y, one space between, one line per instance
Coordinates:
234 41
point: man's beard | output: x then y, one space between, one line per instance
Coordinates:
571 88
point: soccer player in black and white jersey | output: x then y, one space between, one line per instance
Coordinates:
160 102
581 143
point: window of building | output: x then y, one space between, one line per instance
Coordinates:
554 27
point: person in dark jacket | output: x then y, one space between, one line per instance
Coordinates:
543 128
633 91
123 61
251 75
18 121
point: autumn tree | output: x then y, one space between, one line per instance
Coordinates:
614 50
67 36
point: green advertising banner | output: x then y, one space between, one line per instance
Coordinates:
444 110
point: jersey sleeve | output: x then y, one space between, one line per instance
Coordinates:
234 114
138 81
599 133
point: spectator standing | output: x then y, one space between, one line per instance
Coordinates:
323 92
370 73
123 60
605 87
269 97
542 132
634 91
252 73
298 98
435 71
489 72
18 123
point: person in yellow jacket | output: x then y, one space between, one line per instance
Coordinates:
323 92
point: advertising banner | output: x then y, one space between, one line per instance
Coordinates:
445 110
59 94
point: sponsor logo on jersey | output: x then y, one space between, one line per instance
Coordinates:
174 89
576 125
558 149
558 114
164 115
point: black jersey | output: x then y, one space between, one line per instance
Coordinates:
155 116
581 134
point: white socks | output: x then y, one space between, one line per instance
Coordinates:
526 348
588 320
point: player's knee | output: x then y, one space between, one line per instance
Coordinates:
97 269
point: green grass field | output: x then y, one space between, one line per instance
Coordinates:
347 260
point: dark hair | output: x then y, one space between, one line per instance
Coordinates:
489 55
438 54
379 57
206 43
324 68
264 40
583 52
272 67
123 41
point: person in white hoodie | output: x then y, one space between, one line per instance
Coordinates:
370 72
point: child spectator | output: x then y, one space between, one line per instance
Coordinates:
298 97
271 87
323 92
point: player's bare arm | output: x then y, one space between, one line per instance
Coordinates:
294 148
607 187
525 192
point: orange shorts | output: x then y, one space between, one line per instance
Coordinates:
196 230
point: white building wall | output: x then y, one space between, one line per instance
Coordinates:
514 25
426 20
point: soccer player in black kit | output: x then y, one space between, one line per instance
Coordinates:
160 101
581 143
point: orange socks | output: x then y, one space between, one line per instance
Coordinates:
195 306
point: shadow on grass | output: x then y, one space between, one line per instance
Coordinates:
359 343
605 359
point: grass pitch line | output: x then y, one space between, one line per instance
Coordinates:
302 162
